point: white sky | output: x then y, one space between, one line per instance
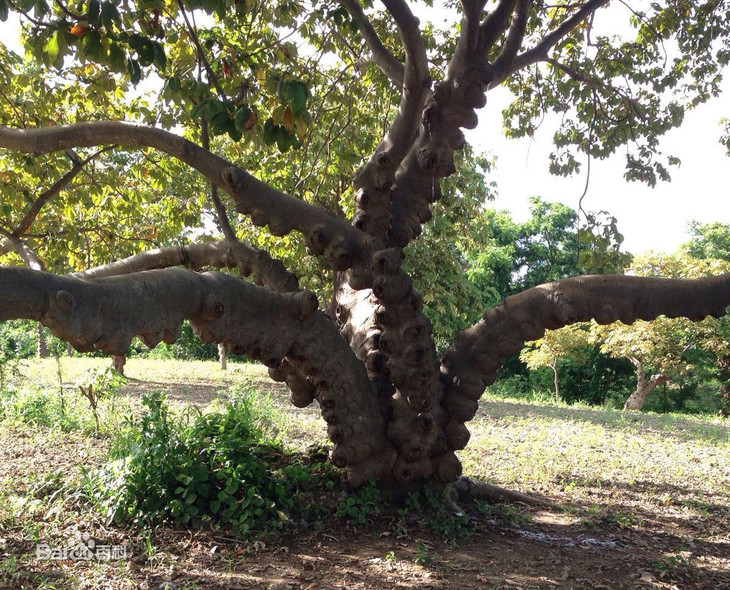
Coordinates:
648 218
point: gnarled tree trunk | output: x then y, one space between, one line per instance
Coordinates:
644 386
394 410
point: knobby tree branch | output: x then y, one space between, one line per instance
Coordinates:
106 313
478 352
375 179
514 38
250 261
342 245
540 52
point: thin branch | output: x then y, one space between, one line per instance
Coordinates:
201 53
56 188
540 51
65 9
223 220
390 66
514 37
29 256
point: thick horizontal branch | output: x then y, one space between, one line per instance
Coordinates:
479 351
105 314
265 270
342 245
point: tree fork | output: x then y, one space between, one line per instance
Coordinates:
386 326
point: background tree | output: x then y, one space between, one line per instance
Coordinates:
257 75
556 344
667 346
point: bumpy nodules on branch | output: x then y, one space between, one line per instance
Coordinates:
250 261
479 351
389 334
375 179
385 325
105 314
344 246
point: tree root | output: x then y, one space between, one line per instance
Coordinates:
465 489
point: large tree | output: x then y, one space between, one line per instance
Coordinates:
315 80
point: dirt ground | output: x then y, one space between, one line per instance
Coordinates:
642 536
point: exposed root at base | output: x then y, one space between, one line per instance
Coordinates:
465 489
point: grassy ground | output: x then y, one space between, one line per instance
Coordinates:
638 501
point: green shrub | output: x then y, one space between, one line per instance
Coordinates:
216 467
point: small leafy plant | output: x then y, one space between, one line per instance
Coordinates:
361 505
215 467
97 384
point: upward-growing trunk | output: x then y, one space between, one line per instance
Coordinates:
222 356
644 386
556 384
42 342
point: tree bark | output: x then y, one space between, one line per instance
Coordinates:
222 358
556 384
644 386
42 342
105 314
723 366
118 362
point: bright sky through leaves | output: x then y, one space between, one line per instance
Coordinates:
649 219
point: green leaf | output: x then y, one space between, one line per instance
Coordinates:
198 109
298 93
159 59
41 8
243 116
270 130
92 45
117 57
134 71
146 53
137 41
3 10
93 12
232 486
221 123
110 14
294 94
52 49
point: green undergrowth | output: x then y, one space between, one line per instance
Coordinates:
228 468
90 405
220 467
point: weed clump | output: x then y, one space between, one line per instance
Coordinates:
217 468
